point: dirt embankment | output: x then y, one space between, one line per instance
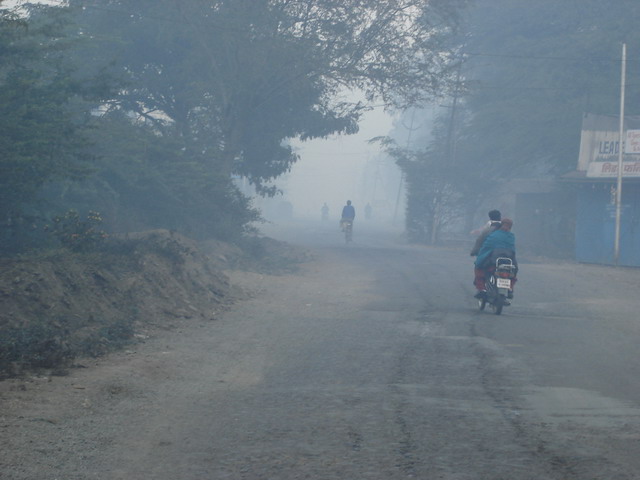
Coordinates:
62 306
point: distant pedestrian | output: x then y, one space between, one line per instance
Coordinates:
325 212
367 211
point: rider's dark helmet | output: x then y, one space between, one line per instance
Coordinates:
348 202
495 215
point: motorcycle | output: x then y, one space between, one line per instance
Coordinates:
347 228
499 285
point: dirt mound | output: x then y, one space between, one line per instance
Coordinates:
63 305
258 254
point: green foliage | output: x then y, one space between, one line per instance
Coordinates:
43 117
237 78
146 109
432 179
77 234
55 343
39 345
147 180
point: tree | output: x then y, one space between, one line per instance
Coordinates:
211 88
530 71
533 69
41 115
435 180
144 180
239 77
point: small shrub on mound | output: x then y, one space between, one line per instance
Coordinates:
78 234
46 344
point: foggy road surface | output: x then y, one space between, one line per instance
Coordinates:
371 363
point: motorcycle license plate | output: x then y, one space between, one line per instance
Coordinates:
503 282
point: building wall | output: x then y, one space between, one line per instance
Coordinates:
545 223
595 225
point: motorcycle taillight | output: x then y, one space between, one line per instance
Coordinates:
504 274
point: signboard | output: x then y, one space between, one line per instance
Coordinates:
610 169
632 143
600 144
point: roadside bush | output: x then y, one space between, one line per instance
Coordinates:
77 234
48 344
39 345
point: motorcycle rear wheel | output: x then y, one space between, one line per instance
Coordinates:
482 302
497 304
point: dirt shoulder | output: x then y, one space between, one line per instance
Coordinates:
51 423
87 424
59 308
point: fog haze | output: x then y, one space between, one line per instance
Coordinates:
337 169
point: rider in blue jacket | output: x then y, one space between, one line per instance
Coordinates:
348 214
500 239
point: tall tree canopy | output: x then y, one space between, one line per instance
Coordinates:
43 111
181 96
239 77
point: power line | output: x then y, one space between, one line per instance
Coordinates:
541 57
161 18
227 27
502 87
224 26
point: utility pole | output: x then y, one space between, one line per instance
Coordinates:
616 245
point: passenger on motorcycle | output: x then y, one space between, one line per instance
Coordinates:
499 243
491 226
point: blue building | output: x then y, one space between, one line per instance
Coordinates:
595 182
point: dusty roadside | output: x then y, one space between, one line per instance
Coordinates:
60 306
51 423
59 413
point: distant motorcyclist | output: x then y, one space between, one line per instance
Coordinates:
348 215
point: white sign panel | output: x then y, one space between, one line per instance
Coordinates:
600 144
632 143
610 169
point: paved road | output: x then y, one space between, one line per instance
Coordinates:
374 363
